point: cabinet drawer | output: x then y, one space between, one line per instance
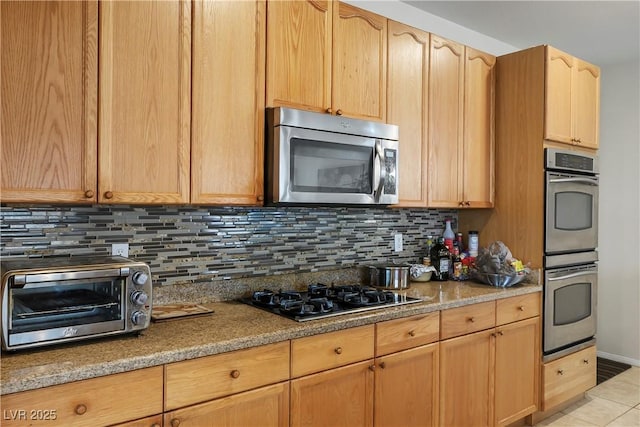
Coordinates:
320 352
517 308
205 378
568 377
401 334
93 402
154 421
464 320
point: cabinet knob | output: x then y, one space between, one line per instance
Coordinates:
81 409
235 373
461 203
175 422
467 203
585 361
383 365
471 319
89 194
260 198
412 333
338 350
521 308
108 195
329 111
338 112
560 371
372 367
500 333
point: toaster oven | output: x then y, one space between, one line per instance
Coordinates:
57 300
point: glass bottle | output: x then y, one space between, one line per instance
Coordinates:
440 259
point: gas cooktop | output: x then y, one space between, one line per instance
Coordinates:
321 301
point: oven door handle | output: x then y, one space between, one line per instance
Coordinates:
379 171
571 276
37 280
580 180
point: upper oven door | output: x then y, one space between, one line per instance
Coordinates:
571 213
313 166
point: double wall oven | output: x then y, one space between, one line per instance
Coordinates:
571 240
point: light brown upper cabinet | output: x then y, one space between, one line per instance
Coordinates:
228 102
49 101
407 103
326 56
572 100
461 130
145 102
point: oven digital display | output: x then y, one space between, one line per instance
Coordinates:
573 161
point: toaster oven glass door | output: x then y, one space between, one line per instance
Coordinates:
63 309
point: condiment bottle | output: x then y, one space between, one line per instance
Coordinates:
440 259
448 235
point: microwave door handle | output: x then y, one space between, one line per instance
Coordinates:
379 171
571 276
581 180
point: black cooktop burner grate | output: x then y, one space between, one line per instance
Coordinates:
321 301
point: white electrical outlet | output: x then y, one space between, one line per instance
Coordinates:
120 249
397 242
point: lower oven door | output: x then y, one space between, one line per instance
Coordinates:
569 306
63 310
571 213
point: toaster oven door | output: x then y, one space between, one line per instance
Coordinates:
51 308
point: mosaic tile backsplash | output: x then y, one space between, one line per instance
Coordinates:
203 244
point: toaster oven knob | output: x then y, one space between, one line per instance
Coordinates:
139 278
139 317
139 298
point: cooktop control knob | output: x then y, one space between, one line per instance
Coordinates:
139 298
139 317
139 278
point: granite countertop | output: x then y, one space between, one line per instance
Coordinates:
232 326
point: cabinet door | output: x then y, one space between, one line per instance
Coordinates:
406 388
359 73
228 102
299 54
446 104
262 407
586 101
517 370
478 142
49 92
559 68
337 397
466 380
145 97
407 103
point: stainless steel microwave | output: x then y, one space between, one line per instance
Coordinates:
56 300
315 158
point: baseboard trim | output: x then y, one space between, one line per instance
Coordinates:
617 358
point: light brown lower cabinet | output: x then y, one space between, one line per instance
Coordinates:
490 377
263 407
337 397
153 421
406 388
91 403
568 376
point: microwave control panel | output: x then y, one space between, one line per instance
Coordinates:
390 164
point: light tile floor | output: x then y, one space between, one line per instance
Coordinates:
613 403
